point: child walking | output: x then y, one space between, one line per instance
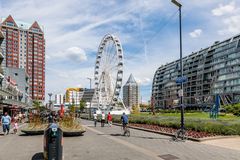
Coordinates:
15 127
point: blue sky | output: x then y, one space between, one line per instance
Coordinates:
148 30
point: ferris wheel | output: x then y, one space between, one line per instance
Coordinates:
108 73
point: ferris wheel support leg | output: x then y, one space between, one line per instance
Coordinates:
123 104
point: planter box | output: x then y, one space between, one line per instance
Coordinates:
72 133
32 132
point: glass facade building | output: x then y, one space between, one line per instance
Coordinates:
210 71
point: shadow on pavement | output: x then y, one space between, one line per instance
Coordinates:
38 156
24 135
137 136
110 134
151 137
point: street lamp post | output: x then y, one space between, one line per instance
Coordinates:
90 80
50 100
90 107
182 129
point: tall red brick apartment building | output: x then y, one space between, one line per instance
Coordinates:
24 47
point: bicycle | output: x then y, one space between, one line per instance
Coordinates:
181 134
126 130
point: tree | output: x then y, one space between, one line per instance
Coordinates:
135 109
82 105
37 105
72 108
144 107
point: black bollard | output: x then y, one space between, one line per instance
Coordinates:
53 139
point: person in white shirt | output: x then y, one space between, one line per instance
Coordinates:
103 119
95 119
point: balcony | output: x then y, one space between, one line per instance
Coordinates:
13 102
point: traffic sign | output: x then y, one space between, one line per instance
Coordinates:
180 93
181 79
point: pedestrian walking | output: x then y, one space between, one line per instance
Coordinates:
103 119
20 116
6 120
15 117
50 118
95 119
109 119
15 127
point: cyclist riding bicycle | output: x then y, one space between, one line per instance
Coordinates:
124 119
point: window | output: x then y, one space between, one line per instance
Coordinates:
9 23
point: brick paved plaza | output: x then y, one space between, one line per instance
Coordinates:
107 143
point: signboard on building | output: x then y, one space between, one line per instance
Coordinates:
180 80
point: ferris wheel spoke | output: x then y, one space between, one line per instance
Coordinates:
114 59
104 53
110 52
113 68
114 56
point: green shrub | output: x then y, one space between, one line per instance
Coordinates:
234 109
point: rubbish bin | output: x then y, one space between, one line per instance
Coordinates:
53 139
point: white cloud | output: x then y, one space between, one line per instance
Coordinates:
76 54
232 24
224 9
144 81
196 33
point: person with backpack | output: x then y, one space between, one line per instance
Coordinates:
124 119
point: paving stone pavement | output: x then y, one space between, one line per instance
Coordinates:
163 145
108 144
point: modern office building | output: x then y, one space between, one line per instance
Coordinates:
210 71
90 98
59 99
21 79
75 95
131 93
24 47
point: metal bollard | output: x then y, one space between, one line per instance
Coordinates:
53 139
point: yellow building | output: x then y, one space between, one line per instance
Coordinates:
74 95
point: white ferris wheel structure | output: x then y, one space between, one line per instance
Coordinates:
108 74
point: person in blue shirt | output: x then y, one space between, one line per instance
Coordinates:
124 119
6 121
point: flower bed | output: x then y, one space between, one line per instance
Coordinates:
168 130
